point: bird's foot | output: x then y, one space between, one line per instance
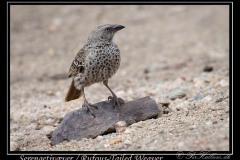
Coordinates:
88 106
116 101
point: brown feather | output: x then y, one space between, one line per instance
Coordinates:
73 93
78 63
77 66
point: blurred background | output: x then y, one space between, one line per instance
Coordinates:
162 47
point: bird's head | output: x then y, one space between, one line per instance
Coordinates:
104 33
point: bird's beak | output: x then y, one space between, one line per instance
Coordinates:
117 27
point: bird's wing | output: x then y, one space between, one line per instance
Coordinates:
78 63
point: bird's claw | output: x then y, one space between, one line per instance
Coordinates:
116 101
88 106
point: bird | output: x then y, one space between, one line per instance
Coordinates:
97 61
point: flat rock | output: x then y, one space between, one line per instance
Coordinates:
79 124
177 93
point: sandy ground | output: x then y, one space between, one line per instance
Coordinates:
164 50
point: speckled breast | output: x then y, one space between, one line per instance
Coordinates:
102 63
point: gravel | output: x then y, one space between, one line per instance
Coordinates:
164 51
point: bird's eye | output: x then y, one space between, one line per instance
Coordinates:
107 29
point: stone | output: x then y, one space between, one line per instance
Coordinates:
120 126
80 124
224 83
14 146
208 69
177 93
127 142
198 96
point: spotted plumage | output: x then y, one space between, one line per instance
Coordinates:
97 61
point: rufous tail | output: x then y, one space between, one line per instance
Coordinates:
73 93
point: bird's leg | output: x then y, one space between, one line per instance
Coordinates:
115 100
88 105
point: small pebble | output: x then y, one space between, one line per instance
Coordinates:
208 98
32 126
208 69
181 106
14 146
192 127
49 121
177 93
166 110
99 137
163 104
120 126
128 142
47 129
106 145
55 25
50 93
127 131
199 83
116 141
49 135
151 127
51 51
163 101
180 144
198 96
208 123
151 68
138 125
214 122
13 127
224 83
